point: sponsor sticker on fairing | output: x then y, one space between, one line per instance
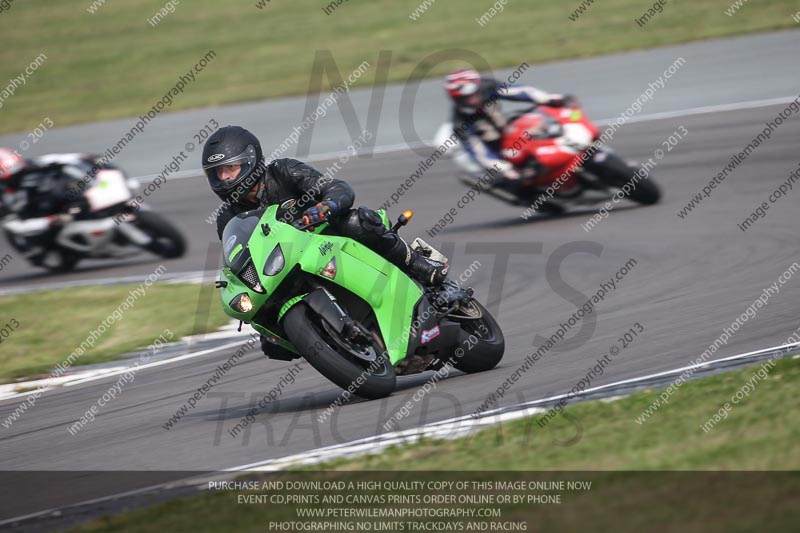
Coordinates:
429 334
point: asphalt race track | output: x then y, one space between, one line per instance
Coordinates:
692 278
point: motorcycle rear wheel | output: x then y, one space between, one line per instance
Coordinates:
481 349
614 171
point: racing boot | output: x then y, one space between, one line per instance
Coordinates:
366 226
422 269
427 271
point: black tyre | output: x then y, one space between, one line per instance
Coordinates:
334 358
167 241
55 259
646 193
549 208
58 261
616 172
480 341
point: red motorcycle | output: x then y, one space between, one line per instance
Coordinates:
555 152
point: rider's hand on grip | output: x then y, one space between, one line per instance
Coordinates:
319 213
563 100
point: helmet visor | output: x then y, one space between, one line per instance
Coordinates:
470 103
222 182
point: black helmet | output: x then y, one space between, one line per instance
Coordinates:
233 145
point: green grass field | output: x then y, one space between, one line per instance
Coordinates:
53 324
761 433
112 63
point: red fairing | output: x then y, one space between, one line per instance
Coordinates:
537 134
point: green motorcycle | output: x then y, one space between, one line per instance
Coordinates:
355 317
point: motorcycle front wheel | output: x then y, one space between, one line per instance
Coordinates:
167 241
336 358
614 171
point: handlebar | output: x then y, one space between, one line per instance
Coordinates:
298 224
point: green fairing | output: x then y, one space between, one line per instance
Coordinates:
385 218
390 292
235 251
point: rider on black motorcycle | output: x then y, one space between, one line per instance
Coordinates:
478 120
47 187
238 173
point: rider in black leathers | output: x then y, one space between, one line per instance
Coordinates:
46 186
47 193
239 175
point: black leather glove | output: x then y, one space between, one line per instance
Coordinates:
319 213
564 100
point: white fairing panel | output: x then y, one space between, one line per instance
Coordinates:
93 234
27 227
576 138
444 132
60 159
110 187
436 255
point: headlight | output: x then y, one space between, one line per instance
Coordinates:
242 303
275 262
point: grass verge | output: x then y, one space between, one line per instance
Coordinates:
113 63
54 323
598 441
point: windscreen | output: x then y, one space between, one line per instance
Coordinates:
235 236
